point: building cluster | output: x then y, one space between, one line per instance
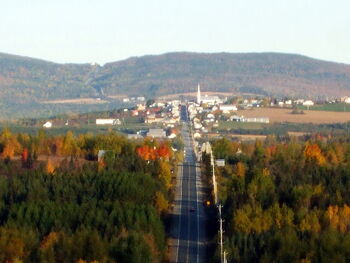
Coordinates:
167 113
134 99
206 112
290 103
345 100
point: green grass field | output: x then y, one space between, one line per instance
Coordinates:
80 129
338 107
227 125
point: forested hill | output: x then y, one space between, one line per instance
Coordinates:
262 73
25 80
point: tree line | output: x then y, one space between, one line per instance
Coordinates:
58 203
285 201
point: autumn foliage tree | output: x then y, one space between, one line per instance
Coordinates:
286 200
83 213
313 152
151 153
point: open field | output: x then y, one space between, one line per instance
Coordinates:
80 129
241 137
284 115
75 101
339 107
240 125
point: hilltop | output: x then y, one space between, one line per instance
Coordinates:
26 82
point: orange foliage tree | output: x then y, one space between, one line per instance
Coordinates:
50 168
49 240
150 153
163 151
313 152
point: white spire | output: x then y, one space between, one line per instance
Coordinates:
199 94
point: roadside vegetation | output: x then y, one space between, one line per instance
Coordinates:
60 203
286 201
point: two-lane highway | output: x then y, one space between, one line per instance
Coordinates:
188 224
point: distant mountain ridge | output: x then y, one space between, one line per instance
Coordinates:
26 80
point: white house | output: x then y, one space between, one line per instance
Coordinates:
211 100
257 119
347 100
220 162
108 122
197 135
47 124
308 103
156 133
197 125
134 136
172 136
228 108
211 116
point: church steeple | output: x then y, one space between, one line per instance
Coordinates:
199 94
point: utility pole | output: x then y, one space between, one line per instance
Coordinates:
219 206
214 178
221 236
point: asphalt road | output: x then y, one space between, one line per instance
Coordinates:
188 224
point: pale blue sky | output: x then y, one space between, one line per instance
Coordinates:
107 30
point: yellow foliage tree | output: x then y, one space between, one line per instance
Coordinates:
12 147
14 249
161 203
241 221
310 223
339 217
332 157
165 173
240 169
250 219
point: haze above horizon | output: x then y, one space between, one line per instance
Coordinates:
106 30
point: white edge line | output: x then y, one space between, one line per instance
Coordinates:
178 239
197 213
188 213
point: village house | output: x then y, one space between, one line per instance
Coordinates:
156 133
308 103
154 119
108 122
227 108
47 124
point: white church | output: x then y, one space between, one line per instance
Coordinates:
209 100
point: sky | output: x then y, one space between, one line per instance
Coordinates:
86 31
